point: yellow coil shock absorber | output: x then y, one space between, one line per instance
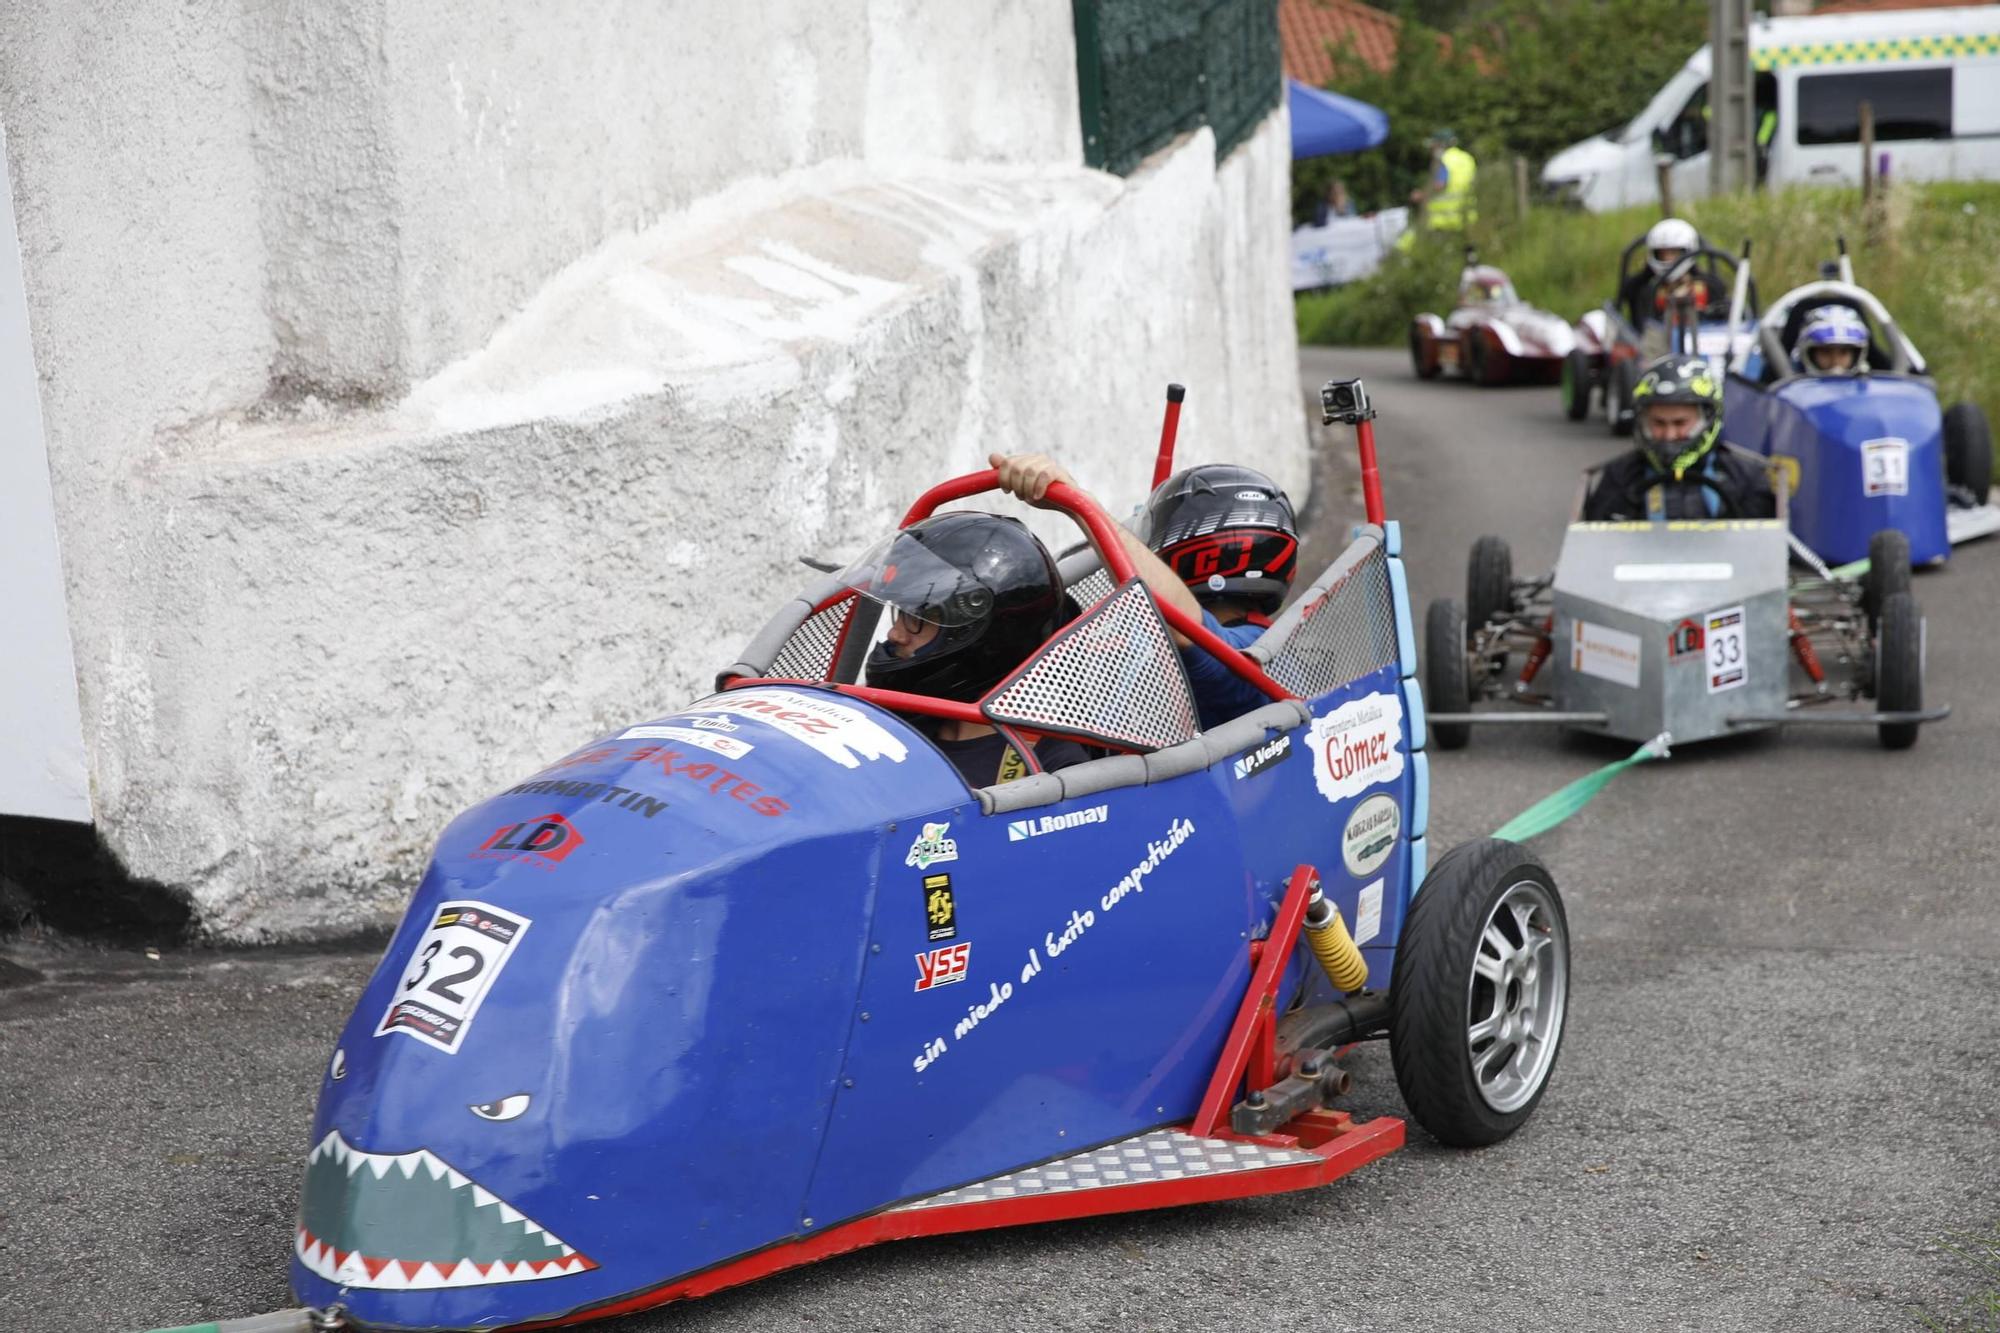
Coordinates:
1327 937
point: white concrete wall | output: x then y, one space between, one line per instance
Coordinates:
420 404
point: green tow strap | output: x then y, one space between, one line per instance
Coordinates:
278 1321
1557 806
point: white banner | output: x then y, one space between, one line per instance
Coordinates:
1345 248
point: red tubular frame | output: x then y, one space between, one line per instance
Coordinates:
1371 478
1163 466
1254 1033
1334 1140
1110 548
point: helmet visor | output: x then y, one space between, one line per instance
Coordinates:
904 575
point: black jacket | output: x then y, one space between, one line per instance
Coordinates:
1640 300
1738 485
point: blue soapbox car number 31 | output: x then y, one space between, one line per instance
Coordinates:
763 980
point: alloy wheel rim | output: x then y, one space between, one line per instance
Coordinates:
1516 995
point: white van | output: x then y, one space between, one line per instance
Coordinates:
1933 76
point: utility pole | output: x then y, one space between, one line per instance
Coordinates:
1732 154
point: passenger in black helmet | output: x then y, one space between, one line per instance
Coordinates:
1674 470
1228 534
968 597
1219 542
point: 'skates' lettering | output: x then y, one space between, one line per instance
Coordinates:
673 764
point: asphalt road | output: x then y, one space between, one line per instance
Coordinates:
1775 1107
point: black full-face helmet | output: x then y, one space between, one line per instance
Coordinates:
987 584
1227 532
1678 381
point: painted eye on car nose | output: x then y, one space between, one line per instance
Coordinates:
507 1108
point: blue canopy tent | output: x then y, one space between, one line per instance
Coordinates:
1325 123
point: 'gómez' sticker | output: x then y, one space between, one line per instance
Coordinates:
1357 746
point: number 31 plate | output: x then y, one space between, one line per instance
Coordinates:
453 966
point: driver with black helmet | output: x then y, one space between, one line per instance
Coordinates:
1219 542
969 597
1674 469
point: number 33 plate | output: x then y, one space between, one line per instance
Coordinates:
453 966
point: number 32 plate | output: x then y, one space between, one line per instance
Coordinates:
453 966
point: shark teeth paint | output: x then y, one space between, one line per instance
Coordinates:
412 1222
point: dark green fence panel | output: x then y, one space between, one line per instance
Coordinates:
1148 70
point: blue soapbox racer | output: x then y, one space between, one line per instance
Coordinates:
761 981
1863 452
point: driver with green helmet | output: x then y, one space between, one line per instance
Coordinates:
1675 469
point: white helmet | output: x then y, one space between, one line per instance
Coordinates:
1830 327
1670 234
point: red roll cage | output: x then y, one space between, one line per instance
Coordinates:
1103 537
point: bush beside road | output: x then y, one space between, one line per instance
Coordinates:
1929 258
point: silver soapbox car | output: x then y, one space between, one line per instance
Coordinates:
1694 629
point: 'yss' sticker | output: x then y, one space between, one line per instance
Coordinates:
450 971
944 965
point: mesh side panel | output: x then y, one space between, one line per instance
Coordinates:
1344 631
808 653
1092 588
1113 674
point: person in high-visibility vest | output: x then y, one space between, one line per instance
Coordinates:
1447 200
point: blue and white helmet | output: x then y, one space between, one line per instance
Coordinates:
1825 331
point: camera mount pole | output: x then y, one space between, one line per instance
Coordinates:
1347 401
1163 465
1371 479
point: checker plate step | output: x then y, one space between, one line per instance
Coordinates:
1163 1154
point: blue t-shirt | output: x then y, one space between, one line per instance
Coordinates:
1219 693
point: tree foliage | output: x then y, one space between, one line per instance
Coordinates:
1514 76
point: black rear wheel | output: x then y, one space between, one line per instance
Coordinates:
1423 358
1479 993
1888 571
1618 398
1576 384
1489 576
1445 687
1968 450
1899 668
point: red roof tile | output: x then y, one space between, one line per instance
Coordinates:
1306 28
